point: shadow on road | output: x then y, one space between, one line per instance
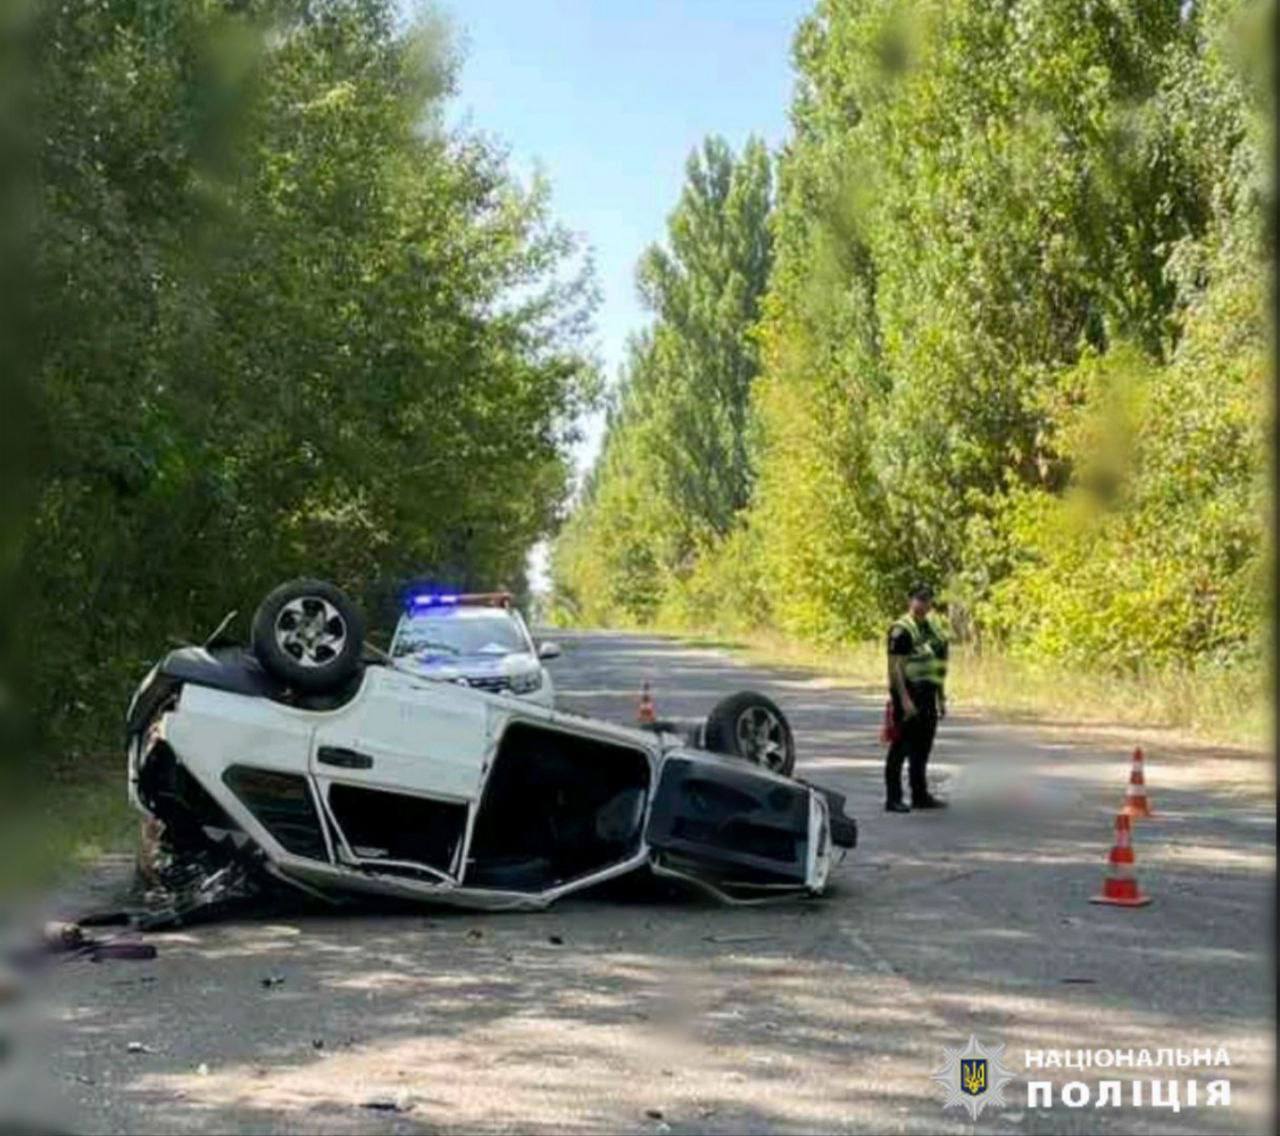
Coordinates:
636 1010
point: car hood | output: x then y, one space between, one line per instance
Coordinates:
474 666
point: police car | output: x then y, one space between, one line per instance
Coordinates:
478 640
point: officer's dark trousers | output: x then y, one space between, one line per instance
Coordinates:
913 746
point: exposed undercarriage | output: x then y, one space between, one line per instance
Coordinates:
383 783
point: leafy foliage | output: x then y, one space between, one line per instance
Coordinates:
676 470
1014 339
282 322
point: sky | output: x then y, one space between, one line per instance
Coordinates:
607 98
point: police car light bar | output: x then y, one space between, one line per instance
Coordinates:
474 599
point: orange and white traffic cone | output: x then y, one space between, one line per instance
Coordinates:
646 712
1135 796
1120 888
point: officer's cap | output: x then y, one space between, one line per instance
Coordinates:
921 591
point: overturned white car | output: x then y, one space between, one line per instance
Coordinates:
310 761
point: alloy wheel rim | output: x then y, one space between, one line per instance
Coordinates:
762 737
311 631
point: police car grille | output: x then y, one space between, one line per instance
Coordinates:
491 684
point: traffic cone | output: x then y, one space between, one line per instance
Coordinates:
1120 888
1135 795
646 713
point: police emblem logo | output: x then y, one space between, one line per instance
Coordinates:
974 1076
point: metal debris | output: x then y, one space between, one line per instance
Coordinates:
401 1102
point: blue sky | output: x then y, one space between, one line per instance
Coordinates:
607 98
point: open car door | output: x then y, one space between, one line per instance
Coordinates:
736 826
399 770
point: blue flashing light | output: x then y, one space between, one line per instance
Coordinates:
428 599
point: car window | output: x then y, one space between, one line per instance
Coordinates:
449 634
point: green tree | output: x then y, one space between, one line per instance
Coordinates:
704 290
676 472
282 322
1013 338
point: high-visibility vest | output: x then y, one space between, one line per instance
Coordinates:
929 649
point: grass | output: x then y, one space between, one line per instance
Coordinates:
57 828
1225 709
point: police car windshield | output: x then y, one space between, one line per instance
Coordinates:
456 633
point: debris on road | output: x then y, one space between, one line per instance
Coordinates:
138 1047
272 980
98 952
401 1102
555 940
104 919
67 938
59 936
726 940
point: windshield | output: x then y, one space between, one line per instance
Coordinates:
451 634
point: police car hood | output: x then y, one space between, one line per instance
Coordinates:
485 665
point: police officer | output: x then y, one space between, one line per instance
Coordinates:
917 676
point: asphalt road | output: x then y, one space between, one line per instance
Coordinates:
632 1013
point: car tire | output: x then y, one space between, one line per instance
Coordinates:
309 634
750 726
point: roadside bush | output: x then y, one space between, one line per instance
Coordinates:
280 321
1014 340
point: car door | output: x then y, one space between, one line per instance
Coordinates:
399 769
736 820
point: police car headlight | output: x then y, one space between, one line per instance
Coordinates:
526 683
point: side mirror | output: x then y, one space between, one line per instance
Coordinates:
548 650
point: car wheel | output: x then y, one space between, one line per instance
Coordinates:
309 634
750 726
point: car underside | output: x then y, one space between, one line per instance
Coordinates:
371 780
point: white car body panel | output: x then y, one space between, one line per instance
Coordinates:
426 739
421 736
